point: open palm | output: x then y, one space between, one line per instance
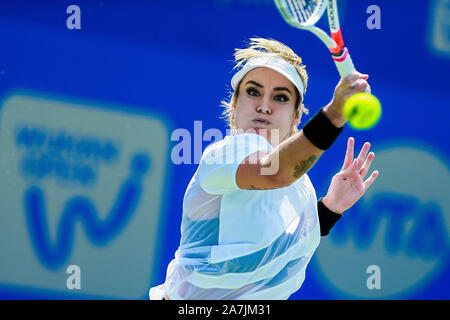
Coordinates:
348 185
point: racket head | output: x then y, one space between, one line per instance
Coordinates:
301 13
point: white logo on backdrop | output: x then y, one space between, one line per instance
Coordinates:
401 226
440 27
79 185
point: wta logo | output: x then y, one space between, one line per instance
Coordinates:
80 185
400 226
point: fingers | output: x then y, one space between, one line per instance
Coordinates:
361 164
353 77
349 171
356 82
349 153
370 180
359 86
363 153
366 166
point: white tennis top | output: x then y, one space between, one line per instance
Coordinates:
241 244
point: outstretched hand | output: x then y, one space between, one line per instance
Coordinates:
348 185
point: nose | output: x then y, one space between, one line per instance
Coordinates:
264 108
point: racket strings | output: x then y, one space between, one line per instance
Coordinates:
302 10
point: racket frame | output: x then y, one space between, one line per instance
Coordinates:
334 43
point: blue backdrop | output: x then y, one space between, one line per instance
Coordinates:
87 123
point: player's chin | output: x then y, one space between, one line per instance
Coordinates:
268 132
261 130
265 130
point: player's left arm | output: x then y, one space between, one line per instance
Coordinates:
347 186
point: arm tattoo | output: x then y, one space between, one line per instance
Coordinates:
304 166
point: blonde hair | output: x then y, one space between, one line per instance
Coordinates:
260 47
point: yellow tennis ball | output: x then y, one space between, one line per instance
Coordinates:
362 110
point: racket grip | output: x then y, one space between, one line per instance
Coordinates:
345 65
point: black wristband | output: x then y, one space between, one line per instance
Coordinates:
327 218
321 131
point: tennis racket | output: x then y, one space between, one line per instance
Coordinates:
304 14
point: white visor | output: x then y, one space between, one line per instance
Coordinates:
279 65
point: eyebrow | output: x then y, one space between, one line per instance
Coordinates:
261 86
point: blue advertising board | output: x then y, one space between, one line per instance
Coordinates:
94 112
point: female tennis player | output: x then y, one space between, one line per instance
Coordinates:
251 219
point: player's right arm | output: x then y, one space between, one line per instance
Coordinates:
291 159
296 155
